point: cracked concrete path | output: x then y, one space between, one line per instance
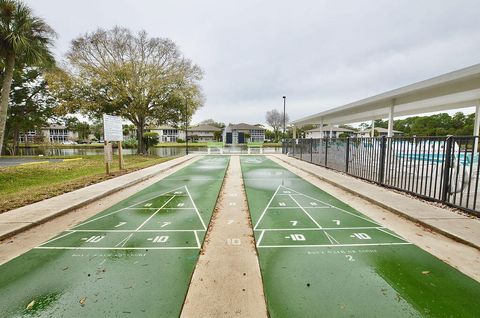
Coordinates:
227 280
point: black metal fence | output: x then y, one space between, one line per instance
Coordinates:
442 169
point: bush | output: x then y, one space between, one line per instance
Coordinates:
180 140
130 143
150 139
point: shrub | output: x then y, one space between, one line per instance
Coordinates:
130 143
150 139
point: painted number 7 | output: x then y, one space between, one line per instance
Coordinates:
294 223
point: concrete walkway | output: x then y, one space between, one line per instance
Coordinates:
21 219
461 228
227 280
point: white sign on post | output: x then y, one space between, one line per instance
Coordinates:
112 127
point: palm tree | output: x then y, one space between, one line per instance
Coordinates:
25 38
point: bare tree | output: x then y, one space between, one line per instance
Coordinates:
275 119
145 80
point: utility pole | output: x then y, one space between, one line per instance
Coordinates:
284 117
186 126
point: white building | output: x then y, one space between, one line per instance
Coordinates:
327 130
53 134
200 133
236 134
379 132
203 133
168 133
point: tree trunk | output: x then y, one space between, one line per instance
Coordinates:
141 150
16 141
6 85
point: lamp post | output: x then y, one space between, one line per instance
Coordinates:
284 98
186 126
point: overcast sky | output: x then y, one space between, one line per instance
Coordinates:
320 54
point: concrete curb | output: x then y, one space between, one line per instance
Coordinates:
450 234
26 217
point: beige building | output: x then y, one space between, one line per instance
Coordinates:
53 134
200 133
328 132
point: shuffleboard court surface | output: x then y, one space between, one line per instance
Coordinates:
321 258
134 259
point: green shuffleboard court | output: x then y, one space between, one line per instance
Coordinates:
321 258
134 259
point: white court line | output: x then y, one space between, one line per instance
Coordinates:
266 208
61 236
196 238
324 228
331 238
132 231
332 206
316 223
158 208
391 234
336 245
122 209
260 238
124 241
163 208
296 207
179 209
195 206
116 248
151 216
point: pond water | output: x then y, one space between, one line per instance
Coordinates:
160 151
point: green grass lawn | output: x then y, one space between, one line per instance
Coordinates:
26 184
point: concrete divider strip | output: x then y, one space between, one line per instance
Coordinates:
227 280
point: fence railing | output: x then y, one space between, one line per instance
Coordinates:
442 169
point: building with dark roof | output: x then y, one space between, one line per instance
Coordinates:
203 132
242 133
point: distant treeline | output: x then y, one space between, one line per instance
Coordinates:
435 125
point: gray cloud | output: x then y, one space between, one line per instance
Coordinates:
319 53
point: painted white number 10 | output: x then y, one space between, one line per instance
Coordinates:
297 237
160 239
361 236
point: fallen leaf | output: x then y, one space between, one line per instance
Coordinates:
426 272
82 301
30 305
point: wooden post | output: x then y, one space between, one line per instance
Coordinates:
120 155
107 163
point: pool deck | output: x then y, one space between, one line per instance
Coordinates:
456 226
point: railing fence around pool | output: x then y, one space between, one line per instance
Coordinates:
442 169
